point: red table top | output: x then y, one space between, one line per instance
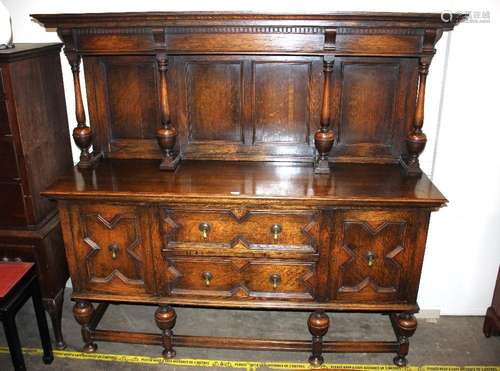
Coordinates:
11 274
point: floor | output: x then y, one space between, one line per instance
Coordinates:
447 341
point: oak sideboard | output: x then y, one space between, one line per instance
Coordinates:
239 160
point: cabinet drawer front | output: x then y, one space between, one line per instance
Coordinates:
240 230
8 166
12 212
371 255
240 278
111 249
4 119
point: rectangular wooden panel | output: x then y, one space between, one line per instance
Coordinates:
281 101
132 97
12 212
373 102
214 93
245 42
136 39
360 41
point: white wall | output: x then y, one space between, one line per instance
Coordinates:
463 251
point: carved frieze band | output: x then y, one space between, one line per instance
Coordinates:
380 31
246 29
253 29
113 31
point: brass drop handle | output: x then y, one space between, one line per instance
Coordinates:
370 257
207 277
204 229
276 230
275 280
113 249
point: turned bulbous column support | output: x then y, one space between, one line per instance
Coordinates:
167 134
324 137
83 312
318 324
416 139
82 134
165 318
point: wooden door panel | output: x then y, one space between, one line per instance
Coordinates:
132 97
373 105
214 94
281 102
112 248
371 255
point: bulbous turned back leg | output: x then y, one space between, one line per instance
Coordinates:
165 318
83 312
404 326
318 324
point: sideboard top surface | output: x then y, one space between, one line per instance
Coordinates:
210 181
249 18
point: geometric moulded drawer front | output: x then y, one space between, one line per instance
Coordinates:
111 249
372 253
239 278
240 229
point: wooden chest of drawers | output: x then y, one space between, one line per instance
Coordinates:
34 152
290 147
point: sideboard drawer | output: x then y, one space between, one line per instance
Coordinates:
240 278
244 230
111 248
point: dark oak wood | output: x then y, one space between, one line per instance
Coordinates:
492 319
247 112
34 152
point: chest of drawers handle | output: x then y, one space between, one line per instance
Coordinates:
275 280
276 230
207 277
204 229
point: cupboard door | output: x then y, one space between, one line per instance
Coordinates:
374 255
111 249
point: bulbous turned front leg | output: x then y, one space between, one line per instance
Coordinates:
318 324
83 312
404 326
165 318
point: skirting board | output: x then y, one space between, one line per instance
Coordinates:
428 314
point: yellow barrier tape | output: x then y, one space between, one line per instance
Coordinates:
246 365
